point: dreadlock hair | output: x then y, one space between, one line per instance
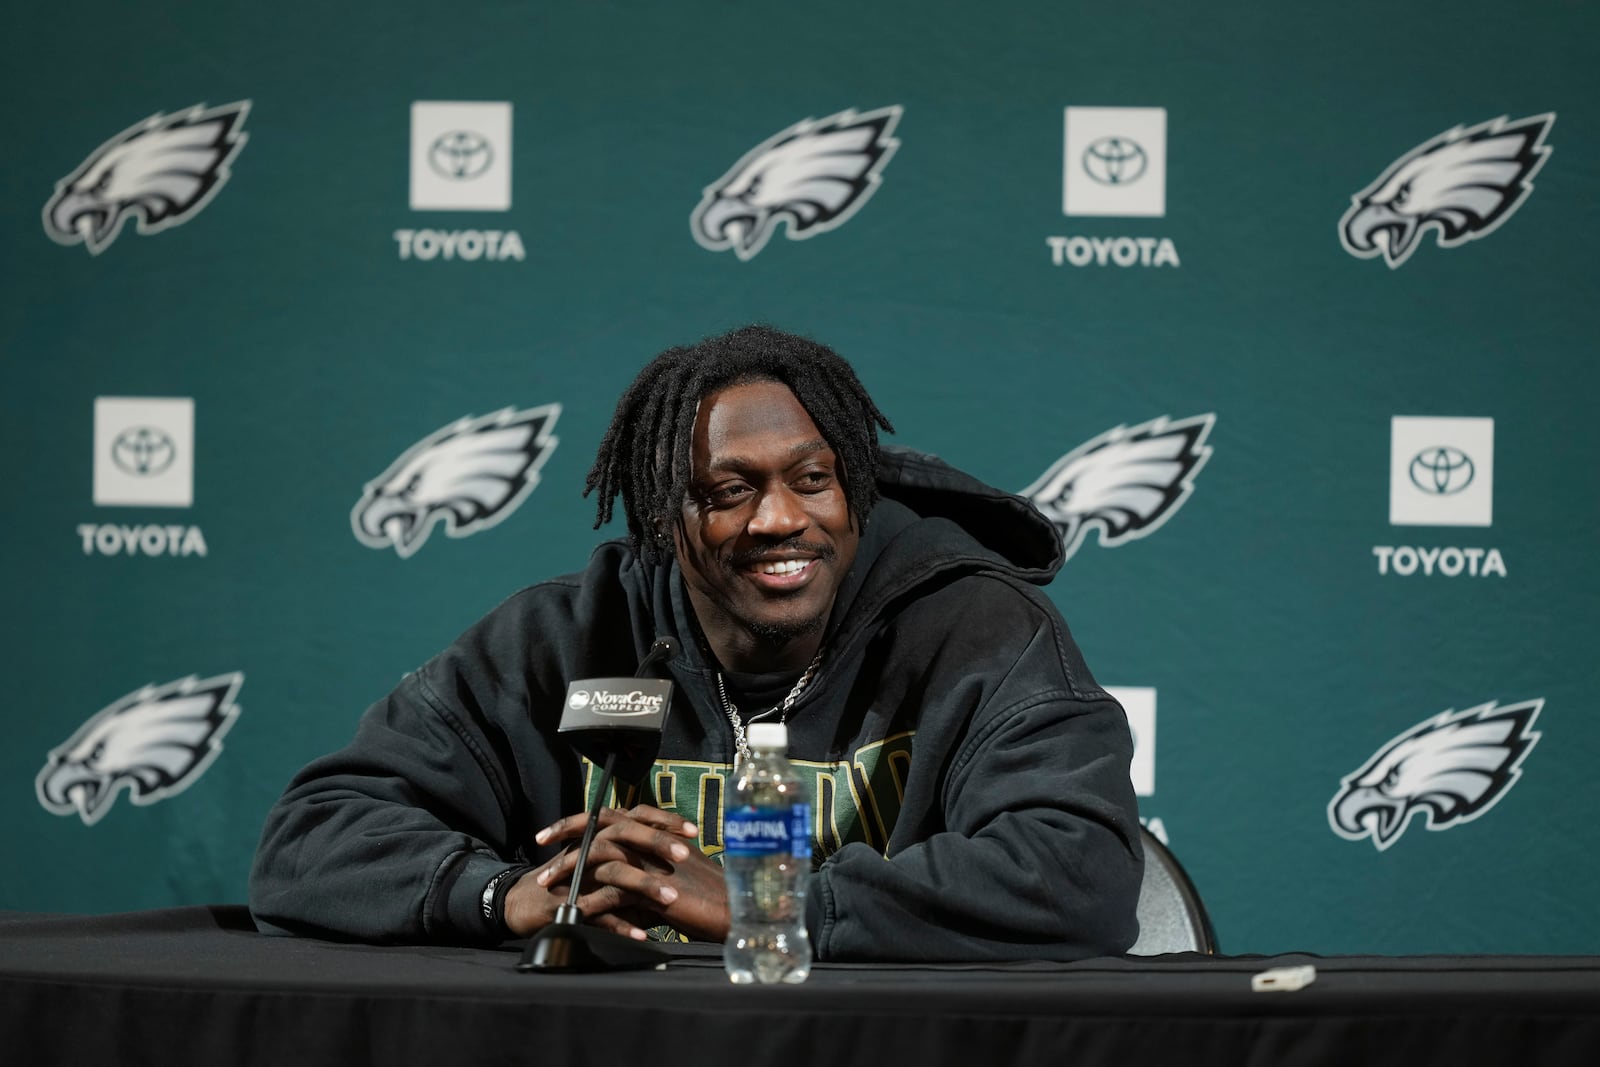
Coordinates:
644 455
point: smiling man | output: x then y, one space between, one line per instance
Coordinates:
970 777
766 535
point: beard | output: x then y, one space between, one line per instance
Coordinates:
779 632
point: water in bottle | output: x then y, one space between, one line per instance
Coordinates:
766 830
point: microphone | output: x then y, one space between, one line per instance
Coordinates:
620 718
617 721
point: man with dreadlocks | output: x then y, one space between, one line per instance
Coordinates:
972 790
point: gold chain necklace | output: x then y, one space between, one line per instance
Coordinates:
742 746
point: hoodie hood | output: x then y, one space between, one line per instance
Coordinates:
1003 524
934 523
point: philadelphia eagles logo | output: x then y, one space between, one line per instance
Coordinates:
1125 483
161 172
812 176
1449 769
1462 184
154 743
469 475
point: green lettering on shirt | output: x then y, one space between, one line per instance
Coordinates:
858 799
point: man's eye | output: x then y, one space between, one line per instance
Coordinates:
814 480
726 494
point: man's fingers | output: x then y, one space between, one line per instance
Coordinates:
648 889
630 834
571 827
618 925
647 839
664 820
609 897
564 867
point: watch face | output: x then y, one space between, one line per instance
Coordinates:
488 894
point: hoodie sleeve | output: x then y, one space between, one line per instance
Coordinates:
1031 845
393 837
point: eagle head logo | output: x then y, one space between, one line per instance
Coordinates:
161 171
1449 769
469 475
813 175
1126 482
1462 184
154 742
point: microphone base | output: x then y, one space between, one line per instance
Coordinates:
569 948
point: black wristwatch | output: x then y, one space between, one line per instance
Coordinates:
493 901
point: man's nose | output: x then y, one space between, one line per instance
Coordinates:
779 514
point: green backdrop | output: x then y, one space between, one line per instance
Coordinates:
1279 651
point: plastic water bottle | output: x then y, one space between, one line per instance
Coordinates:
766 833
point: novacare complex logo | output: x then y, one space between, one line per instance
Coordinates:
607 702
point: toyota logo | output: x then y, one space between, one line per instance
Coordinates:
460 155
143 451
1115 161
1441 470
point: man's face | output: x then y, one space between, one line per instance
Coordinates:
766 536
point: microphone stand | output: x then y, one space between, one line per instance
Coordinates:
566 945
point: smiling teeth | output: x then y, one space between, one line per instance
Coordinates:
788 566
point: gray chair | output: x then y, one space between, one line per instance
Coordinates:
1171 916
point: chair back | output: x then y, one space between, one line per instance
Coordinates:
1171 916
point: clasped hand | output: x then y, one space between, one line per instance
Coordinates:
644 868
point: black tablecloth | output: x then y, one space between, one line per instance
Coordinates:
201 986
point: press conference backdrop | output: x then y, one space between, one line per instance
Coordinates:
314 316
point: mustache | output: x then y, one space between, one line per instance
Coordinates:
823 552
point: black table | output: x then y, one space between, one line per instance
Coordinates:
201 986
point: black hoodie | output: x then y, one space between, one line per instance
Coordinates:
972 799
